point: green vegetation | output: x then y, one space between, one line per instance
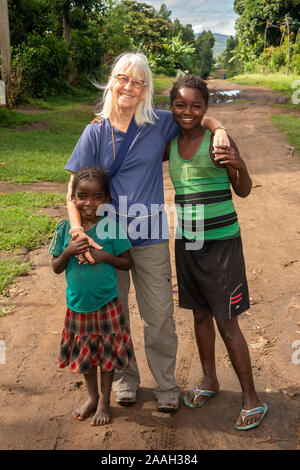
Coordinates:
267 38
23 226
40 152
59 45
9 269
276 81
290 126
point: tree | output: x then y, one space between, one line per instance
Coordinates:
145 25
251 26
76 12
204 53
4 42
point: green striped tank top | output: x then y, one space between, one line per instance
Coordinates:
203 198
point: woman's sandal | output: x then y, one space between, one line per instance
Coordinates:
245 413
198 392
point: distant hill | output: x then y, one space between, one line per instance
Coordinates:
220 43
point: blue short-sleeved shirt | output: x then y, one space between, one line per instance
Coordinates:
140 176
90 287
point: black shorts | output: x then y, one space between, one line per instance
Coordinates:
213 277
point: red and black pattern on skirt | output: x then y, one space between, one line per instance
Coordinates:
99 338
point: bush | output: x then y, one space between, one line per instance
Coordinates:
86 52
43 64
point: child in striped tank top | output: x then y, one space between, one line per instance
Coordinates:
208 248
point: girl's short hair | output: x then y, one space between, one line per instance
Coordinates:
91 173
190 81
137 64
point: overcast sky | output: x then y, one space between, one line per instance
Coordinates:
216 15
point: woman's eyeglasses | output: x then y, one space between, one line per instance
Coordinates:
123 79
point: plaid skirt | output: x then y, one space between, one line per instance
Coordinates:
99 338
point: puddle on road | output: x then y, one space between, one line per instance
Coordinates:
224 96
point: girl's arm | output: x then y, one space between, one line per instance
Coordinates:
74 248
220 135
123 261
236 168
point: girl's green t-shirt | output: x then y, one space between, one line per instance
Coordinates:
90 287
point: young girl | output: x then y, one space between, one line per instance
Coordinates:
95 331
209 262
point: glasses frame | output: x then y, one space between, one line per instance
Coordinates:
136 83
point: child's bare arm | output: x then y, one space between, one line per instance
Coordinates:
236 168
75 248
123 261
167 152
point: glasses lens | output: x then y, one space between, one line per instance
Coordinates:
124 80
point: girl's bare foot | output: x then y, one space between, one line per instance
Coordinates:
102 415
86 410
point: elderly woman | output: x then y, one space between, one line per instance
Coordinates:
127 100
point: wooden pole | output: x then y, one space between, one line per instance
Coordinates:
289 47
5 44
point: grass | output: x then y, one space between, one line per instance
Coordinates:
276 81
9 269
22 225
39 154
161 83
290 126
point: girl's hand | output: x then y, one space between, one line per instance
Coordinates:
97 120
78 247
87 258
226 155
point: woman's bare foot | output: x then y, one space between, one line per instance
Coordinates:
86 410
103 413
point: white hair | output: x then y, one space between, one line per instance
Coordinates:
137 64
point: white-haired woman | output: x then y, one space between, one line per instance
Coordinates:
128 95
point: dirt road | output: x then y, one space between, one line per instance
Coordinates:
37 399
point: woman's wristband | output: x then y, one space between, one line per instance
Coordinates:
219 127
74 229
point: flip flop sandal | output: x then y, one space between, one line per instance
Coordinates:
198 393
245 413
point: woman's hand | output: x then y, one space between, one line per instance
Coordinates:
220 138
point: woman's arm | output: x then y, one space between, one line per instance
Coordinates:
76 230
216 127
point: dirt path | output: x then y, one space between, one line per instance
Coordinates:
37 399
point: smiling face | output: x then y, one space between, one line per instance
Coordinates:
89 194
126 95
189 108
